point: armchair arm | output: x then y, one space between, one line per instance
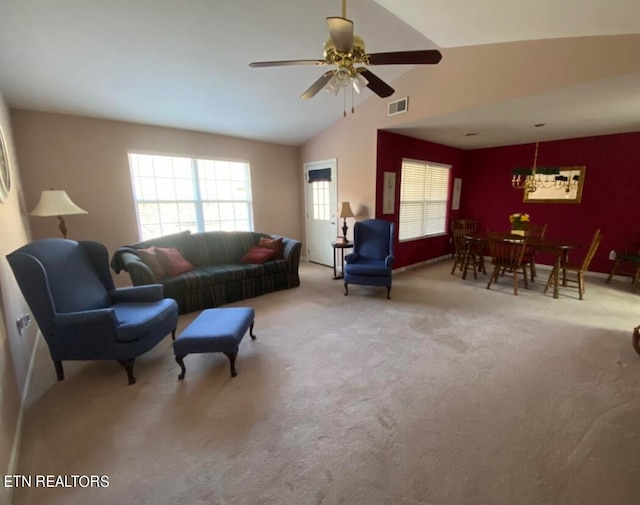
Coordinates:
388 261
351 257
84 335
105 317
147 293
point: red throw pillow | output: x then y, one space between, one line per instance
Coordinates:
172 261
258 255
150 258
275 244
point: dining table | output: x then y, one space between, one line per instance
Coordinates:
558 248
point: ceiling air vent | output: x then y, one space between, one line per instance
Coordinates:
398 107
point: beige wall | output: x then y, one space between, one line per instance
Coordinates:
88 158
467 77
15 350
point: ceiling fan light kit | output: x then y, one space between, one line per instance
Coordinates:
345 50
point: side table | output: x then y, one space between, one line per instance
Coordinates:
339 246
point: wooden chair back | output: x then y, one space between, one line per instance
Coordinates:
460 228
593 247
507 249
536 231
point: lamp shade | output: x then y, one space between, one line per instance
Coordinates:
345 210
56 203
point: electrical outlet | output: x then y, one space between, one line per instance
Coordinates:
24 321
612 255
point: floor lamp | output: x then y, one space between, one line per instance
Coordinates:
57 203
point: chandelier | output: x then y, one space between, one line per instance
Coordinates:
530 179
567 183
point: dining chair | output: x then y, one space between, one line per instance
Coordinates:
466 254
532 232
460 228
629 258
578 269
507 254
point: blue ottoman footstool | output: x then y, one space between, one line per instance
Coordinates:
215 330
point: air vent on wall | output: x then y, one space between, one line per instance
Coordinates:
398 106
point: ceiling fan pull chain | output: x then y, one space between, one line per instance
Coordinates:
344 107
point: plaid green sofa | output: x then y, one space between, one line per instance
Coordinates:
218 277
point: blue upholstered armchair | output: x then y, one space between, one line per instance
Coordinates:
81 315
372 258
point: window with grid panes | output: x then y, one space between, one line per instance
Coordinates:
321 200
424 199
175 193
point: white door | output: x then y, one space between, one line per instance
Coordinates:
321 206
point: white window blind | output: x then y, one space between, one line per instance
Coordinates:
424 199
174 193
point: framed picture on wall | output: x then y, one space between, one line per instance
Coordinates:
566 187
5 173
389 193
455 198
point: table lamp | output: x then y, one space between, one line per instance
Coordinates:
57 203
344 212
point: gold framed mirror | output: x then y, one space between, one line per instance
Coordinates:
563 188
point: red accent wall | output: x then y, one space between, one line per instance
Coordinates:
610 197
392 147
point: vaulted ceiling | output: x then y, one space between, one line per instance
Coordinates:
185 65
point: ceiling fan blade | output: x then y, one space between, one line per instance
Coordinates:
375 84
318 85
426 57
341 32
259 64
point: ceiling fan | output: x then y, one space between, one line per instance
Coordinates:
345 50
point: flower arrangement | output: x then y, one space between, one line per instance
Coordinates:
517 219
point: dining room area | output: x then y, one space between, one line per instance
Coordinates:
522 256
571 218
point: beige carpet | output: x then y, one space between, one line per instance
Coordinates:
446 394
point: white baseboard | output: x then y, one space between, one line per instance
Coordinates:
487 260
17 436
422 263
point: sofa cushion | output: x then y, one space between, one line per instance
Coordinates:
257 255
172 261
150 258
220 247
275 244
208 276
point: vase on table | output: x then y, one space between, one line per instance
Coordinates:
517 232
